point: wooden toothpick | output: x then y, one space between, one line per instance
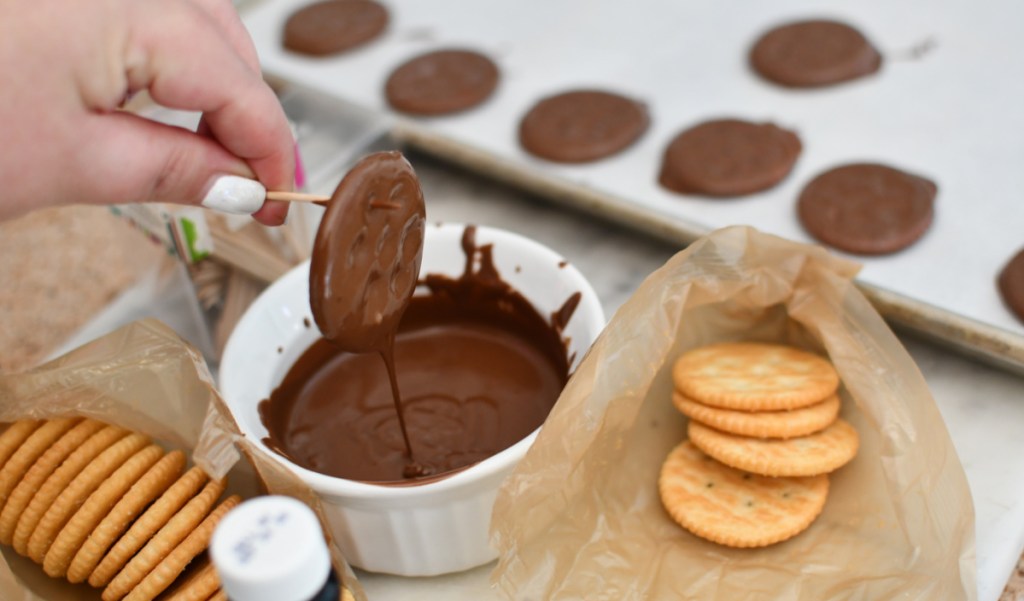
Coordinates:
297 197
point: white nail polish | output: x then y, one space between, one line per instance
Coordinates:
234 194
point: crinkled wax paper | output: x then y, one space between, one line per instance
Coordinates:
580 518
146 378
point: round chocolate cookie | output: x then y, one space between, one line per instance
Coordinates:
367 253
582 126
1011 284
809 54
728 157
333 26
867 209
440 82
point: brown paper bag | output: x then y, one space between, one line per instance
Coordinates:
145 378
580 518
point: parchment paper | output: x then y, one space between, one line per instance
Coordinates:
580 518
143 377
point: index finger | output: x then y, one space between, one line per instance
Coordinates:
203 72
225 15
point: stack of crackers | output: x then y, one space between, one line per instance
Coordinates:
94 502
764 434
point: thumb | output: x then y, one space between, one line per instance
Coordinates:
133 159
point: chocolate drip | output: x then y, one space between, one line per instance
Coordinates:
366 259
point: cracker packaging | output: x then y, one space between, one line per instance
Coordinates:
746 427
117 461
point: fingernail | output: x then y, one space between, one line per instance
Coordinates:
234 194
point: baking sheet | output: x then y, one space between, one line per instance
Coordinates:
952 114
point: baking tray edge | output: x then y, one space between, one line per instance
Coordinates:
976 339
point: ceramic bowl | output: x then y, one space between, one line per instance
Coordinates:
420 530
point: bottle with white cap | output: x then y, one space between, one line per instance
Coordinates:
272 549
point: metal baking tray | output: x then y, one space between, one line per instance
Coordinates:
951 113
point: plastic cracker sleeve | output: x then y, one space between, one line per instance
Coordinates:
580 517
146 378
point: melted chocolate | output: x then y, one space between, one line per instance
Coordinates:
366 258
478 367
560 318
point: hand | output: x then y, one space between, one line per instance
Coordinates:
67 66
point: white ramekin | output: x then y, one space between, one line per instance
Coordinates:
423 530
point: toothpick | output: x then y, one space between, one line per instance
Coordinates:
297 197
